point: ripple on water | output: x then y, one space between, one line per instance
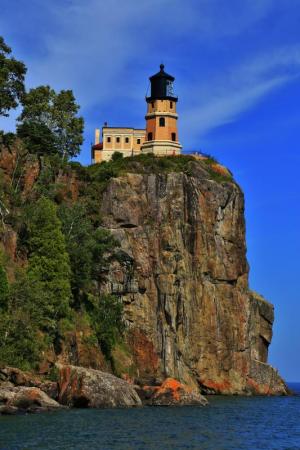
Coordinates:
228 423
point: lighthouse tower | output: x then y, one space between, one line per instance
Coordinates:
161 118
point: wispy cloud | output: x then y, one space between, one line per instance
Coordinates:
221 100
104 51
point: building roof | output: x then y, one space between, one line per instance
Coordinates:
124 128
162 74
98 146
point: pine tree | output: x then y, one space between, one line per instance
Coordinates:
49 266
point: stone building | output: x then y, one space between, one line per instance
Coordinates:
161 134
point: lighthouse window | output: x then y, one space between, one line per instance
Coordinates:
127 140
138 141
150 136
173 136
108 139
171 105
152 104
117 139
161 121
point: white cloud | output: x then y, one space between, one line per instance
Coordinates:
221 100
103 50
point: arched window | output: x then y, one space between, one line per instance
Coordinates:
162 122
171 105
173 136
150 136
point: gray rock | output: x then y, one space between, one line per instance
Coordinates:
22 399
89 388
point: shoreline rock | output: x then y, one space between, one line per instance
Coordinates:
22 399
89 388
171 393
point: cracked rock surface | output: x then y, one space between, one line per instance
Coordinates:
184 283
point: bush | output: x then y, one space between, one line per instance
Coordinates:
117 156
3 288
106 313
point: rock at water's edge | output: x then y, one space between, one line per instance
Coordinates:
172 393
22 399
90 388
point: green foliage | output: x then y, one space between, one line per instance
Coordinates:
89 248
146 163
78 232
49 267
20 342
12 73
38 138
7 139
116 156
106 313
51 117
4 290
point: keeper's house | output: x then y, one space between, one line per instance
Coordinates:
161 134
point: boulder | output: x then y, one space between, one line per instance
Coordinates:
22 399
89 388
172 393
18 377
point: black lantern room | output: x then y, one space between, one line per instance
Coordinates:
162 86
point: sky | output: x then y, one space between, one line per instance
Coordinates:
237 75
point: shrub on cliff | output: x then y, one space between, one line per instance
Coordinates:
49 265
89 248
106 313
3 287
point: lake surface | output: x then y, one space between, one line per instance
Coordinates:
228 423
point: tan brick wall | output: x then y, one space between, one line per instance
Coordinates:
132 135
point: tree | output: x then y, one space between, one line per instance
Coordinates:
80 242
21 341
47 113
3 288
106 314
38 138
12 73
89 248
49 267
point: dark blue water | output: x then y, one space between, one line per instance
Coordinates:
228 423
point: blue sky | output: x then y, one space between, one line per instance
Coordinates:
237 70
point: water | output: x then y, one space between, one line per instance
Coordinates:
228 423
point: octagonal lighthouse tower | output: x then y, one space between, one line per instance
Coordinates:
161 118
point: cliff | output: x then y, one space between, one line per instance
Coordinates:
184 282
181 274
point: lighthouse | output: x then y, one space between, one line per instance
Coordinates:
161 119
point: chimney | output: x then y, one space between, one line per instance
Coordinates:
97 136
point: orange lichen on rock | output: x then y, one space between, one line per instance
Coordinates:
145 357
220 387
221 170
172 392
259 389
172 387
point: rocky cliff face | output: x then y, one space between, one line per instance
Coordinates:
182 275
183 279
